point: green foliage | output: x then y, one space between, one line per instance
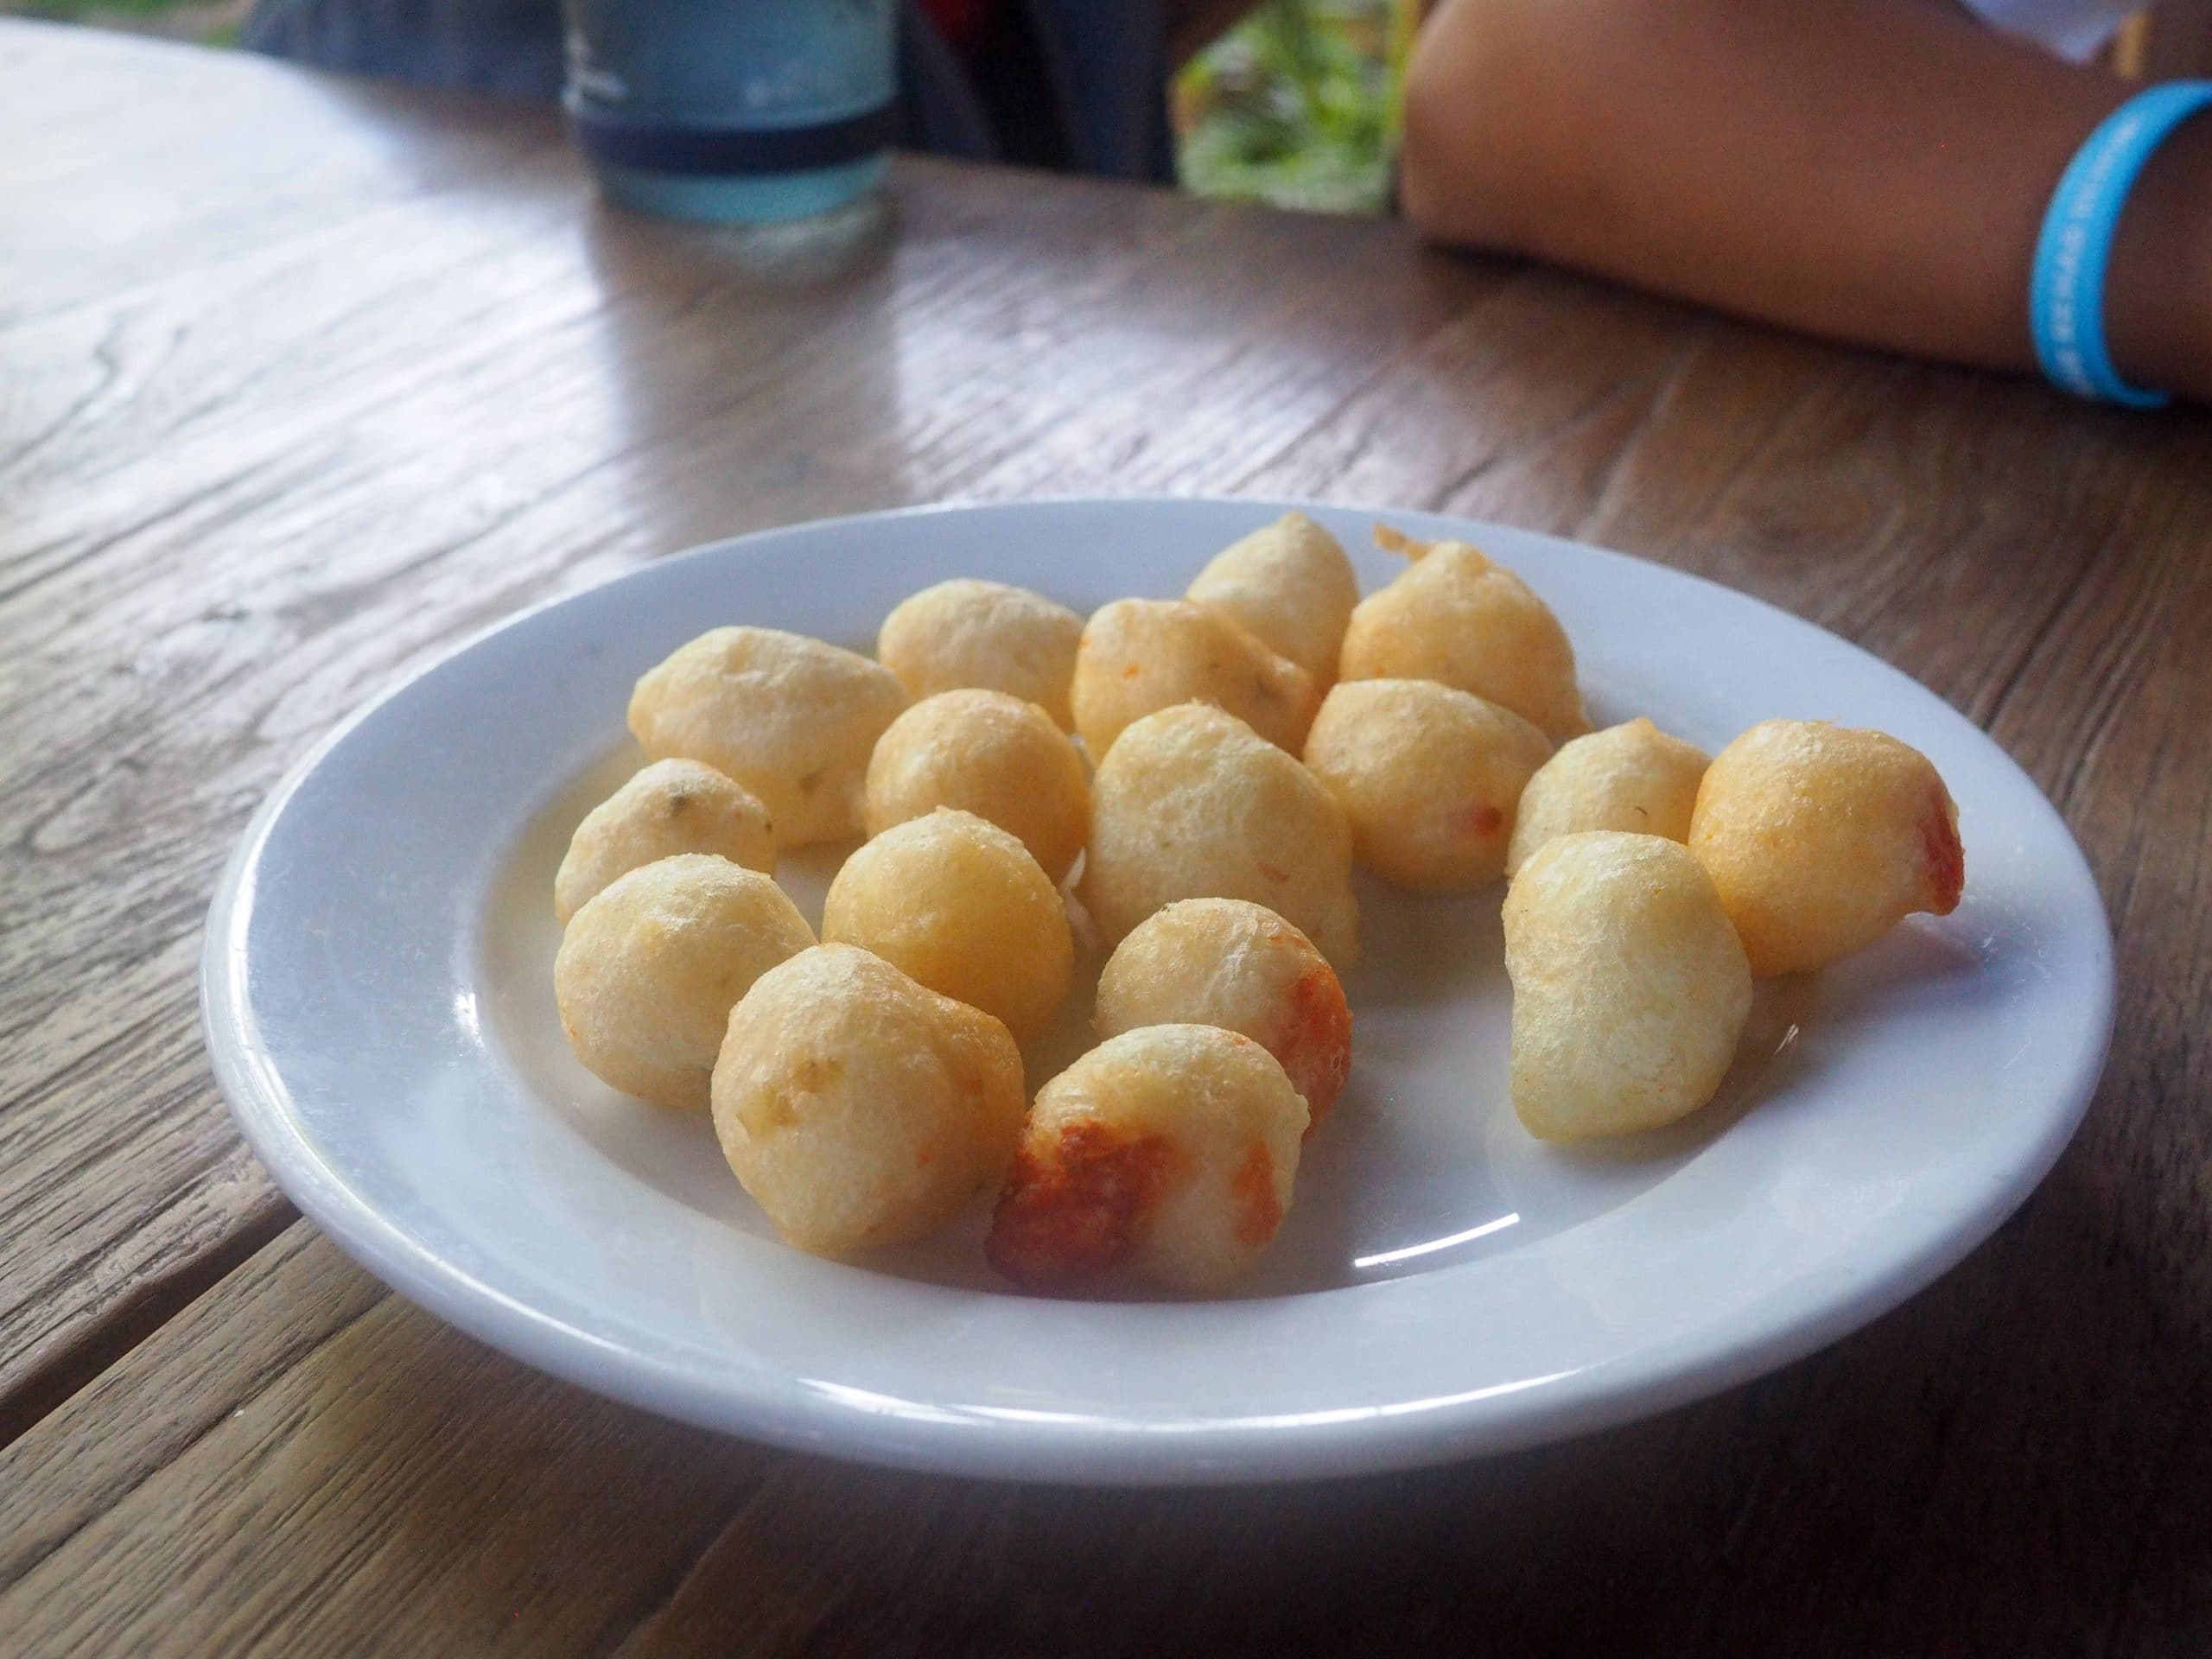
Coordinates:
210 22
1297 106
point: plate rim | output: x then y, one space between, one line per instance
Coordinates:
1096 1452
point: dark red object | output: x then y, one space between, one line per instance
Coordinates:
959 22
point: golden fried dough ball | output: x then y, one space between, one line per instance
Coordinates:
1429 775
670 807
1820 837
1231 963
790 718
1142 655
991 755
859 1107
1171 1149
1292 586
965 632
1633 778
1629 988
1456 618
1192 803
650 967
960 905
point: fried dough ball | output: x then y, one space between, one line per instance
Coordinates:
1430 777
1171 1149
1228 962
650 967
670 807
1633 778
1192 803
1142 655
790 718
1456 618
1629 989
960 905
991 755
1291 585
965 632
1822 837
858 1107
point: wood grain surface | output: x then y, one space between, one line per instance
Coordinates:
300 380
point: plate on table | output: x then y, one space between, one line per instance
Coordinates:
377 991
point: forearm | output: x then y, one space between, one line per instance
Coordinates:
1875 170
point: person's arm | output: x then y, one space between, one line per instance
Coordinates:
1872 170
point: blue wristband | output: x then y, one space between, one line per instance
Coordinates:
2066 292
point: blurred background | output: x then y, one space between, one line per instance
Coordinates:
214 22
1297 106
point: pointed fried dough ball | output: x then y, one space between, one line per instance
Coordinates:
1430 776
1456 618
1629 988
1192 803
1292 586
1140 656
1632 778
790 718
670 807
1821 838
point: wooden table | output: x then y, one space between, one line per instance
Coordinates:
300 380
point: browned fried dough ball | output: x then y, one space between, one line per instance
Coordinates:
1231 963
1820 838
1170 1149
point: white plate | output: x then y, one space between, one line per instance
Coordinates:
377 987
